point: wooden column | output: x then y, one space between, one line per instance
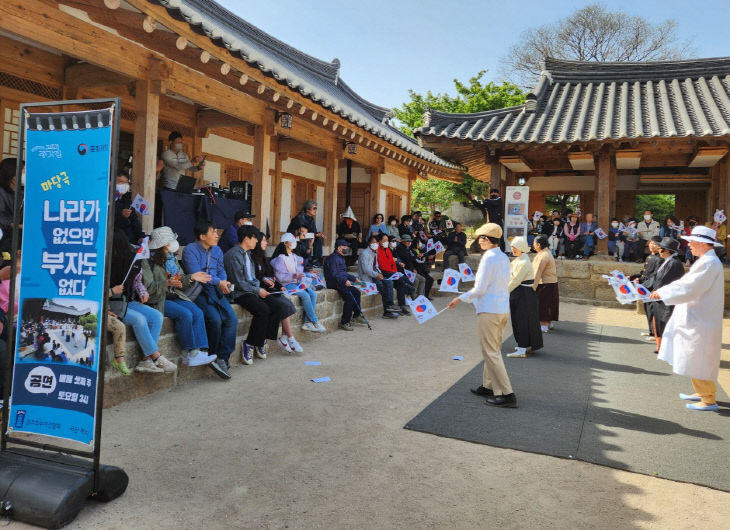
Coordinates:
605 191
375 175
330 199
260 205
718 189
412 177
495 179
147 107
276 198
725 181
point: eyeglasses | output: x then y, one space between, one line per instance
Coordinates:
483 237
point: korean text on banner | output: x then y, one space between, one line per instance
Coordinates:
55 377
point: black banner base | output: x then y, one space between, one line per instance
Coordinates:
49 489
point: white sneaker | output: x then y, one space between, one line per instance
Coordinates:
200 358
165 365
644 333
321 328
519 352
147 366
284 344
310 326
544 329
294 345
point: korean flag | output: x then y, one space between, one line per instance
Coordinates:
141 205
450 281
422 309
466 273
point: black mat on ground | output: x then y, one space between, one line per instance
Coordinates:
598 394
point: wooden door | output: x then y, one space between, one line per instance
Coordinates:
358 203
392 204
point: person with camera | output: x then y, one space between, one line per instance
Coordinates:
176 162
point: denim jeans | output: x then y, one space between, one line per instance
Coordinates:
590 242
385 288
189 323
309 300
146 323
221 324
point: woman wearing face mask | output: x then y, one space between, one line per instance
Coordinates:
631 245
166 282
368 271
389 266
393 232
125 218
177 162
616 240
289 268
555 238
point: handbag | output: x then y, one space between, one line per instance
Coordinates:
118 305
196 288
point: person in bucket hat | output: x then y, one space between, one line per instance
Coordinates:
692 339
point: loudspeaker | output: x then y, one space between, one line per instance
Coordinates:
49 489
240 190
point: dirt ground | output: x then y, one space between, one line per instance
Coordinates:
271 449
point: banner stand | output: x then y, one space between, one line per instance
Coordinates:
46 484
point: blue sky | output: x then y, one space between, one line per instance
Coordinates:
387 47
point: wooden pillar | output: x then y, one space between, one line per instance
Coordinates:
725 181
375 174
495 174
275 221
260 205
147 107
330 199
605 191
412 177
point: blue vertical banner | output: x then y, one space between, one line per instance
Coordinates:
61 288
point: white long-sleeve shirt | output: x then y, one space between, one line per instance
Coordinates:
490 293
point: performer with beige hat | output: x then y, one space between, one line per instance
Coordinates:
523 301
692 339
349 230
491 301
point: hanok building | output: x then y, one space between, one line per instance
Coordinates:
605 132
260 110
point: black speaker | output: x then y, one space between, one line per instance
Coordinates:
240 190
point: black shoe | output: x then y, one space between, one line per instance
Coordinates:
508 401
482 391
390 315
404 310
393 309
220 368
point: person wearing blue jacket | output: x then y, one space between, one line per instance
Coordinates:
337 277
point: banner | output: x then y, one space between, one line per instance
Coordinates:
61 299
516 204
450 281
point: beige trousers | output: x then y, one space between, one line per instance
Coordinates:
119 334
706 390
491 329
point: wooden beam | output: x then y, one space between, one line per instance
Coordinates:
289 145
212 119
86 75
330 200
147 107
261 178
605 190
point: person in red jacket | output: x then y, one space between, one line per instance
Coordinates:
389 266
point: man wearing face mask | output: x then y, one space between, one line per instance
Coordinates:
125 217
648 228
177 162
229 237
337 277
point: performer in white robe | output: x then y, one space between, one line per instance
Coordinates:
692 340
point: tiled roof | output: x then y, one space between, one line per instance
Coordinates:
578 101
316 79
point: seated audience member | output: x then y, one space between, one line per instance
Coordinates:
587 229
266 277
670 228
616 240
369 271
304 247
307 217
125 217
249 294
436 227
145 321
388 267
204 255
378 227
669 270
647 228
164 279
337 277
229 237
555 237
393 232
119 338
349 230
685 252
405 254
288 268
632 251
405 226
176 162
721 231
571 233
418 229
455 245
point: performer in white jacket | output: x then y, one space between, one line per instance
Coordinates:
692 340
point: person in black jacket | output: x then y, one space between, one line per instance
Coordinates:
337 277
349 230
405 254
455 245
307 218
646 277
125 218
671 269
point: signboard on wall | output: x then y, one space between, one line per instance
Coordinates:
516 215
64 251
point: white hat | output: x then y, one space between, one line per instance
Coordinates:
520 243
703 234
288 238
162 236
349 213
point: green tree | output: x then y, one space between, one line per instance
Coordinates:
473 96
660 206
432 194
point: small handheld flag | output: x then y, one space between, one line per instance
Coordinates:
600 234
141 205
395 276
410 275
367 288
429 245
466 273
439 247
422 309
449 224
450 281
